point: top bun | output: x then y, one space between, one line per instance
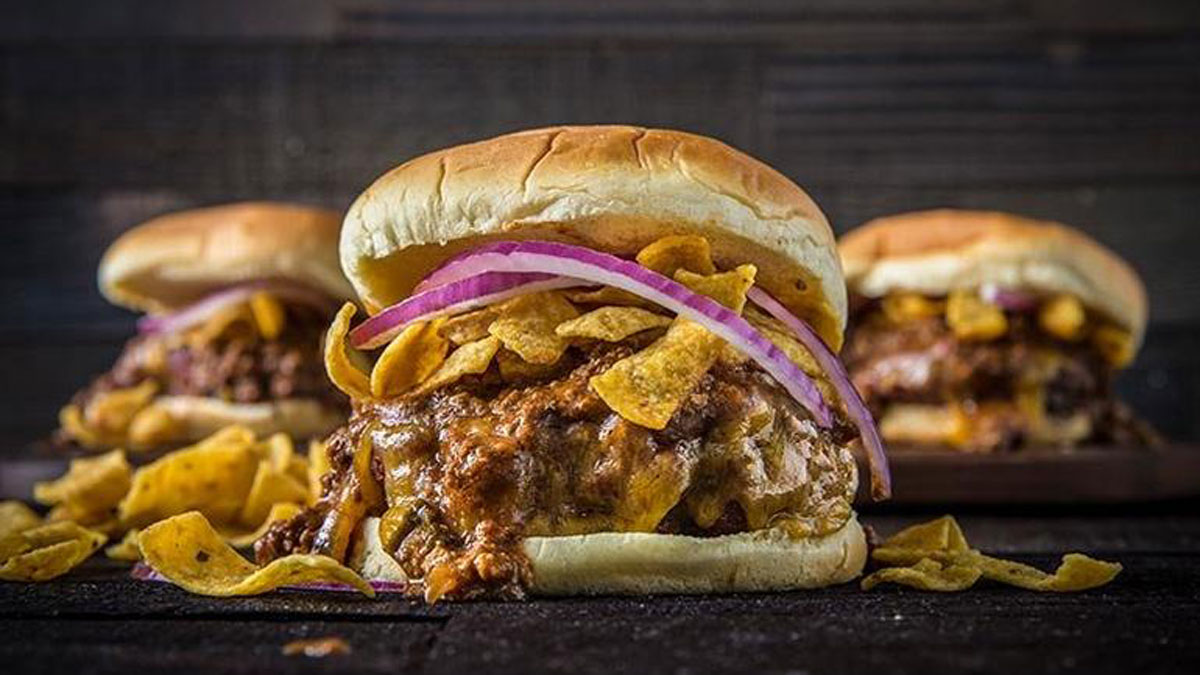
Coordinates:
173 260
612 188
934 252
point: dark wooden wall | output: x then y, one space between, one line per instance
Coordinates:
110 112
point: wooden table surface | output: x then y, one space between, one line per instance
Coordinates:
99 620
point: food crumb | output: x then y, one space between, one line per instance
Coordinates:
316 648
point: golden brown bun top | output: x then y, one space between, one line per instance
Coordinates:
175 259
612 188
935 252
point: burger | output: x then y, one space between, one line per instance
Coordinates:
982 332
604 363
236 298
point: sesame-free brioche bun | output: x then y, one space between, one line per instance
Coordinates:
198 417
611 188
175 259
935 252
641 563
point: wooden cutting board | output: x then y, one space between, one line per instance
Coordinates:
1094 475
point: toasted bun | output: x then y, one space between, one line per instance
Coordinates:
198 417
613 188
935 252
175 259
643 563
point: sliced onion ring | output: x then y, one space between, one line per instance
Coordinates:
593 267
467 264
457 296
881 478
206 307
1012 299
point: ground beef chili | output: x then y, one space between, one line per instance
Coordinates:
469 471
239 369
921 361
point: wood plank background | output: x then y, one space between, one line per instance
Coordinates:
1086 112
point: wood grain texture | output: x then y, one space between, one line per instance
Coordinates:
1087 113
1042 476
97 620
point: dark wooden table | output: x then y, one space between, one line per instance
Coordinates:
98 620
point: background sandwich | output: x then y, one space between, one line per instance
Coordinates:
236 298
986 331
608 367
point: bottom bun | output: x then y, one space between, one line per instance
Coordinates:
924 424
197 417
638 563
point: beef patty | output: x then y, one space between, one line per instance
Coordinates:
462 475
921 361
236 369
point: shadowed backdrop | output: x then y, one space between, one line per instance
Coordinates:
110 113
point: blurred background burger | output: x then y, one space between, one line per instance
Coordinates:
986 331
235 299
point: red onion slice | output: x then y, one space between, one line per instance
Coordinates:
467 264
592 267
457 296
206 307
881 478
1008 298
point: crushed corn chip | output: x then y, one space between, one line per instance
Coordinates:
104 523
611 324
904 306
409 359
127 549
1077 572
797 353
728 288
942 534
269 316
70 420
515 369
927 575
229 321
279 450
270 487
527 323
647 387
152 426
46 551
279 511
676 252
469 327
779 335
111 412
1063 317
607 295
16 517
191 554
91 488
936 556
470 359
213 476
1116 344
973 318
342 371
